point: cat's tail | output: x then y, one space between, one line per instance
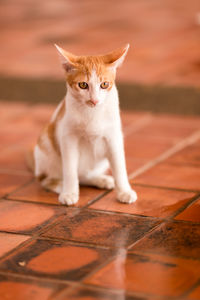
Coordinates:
30 162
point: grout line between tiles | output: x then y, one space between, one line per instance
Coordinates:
69 285
87 208
166 188
76 242
37 278
33 202
55 204
124 291
149 253
103 289
191 289
9 197
100 266
18 188
31 239
11 252
146 235
117 252
111 212
97 198
185 206
179 146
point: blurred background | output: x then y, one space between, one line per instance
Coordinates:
161 72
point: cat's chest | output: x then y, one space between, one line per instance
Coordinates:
90 130
92 147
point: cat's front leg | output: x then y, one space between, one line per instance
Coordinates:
115 148
70 156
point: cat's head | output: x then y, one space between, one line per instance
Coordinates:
90 78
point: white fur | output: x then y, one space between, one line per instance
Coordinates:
90 140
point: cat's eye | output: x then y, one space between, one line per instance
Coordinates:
104 85
83 85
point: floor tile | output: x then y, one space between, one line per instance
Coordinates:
9 241
145 147
170 127
9 111
34 192
191 213
10 182
173 239
195 294
166 54
133 164
189 155
12 287
152 202
13 158
41 113
131 119
151 275
94 227
26 218
87 293
13 135
172 176
53 259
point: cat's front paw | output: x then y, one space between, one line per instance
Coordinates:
127 196
68 199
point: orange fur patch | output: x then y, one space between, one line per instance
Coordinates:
85 65
41 177
51 184
50 132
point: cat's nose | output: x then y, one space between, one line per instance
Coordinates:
94 101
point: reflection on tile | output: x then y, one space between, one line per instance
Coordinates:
173 239
16 288
151 202
87 293
191 213
53 259
151 275
101 228
195 294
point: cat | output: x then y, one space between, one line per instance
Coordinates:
84 136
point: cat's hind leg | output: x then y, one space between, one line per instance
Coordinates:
101 181
97 177
51 184
47 170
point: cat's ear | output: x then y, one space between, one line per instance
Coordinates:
116 58
68 60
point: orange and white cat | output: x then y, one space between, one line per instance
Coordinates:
84 136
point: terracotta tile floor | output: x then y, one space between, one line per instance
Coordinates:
103 249
164 37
